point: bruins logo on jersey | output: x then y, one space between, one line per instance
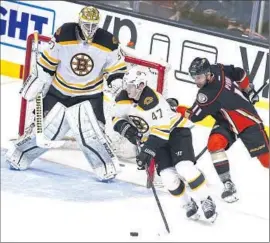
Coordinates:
140 123
81 64
148 100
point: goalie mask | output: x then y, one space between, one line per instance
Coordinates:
134 81
88 21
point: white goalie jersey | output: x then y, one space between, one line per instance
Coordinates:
151 115
78 66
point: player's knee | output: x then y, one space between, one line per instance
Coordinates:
217 142
172 182
264 159
190 173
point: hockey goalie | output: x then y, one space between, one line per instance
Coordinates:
69 77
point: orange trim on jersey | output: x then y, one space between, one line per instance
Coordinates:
241 122
244 82
219 92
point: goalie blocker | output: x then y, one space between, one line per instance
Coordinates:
80 118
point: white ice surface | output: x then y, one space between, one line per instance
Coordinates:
59 202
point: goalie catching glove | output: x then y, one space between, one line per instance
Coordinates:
128 131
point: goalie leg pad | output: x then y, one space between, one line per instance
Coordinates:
55 123
92 141
24 150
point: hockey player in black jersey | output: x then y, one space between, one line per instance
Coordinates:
226 94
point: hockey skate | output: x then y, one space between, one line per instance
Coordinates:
192 210
229 194
209 209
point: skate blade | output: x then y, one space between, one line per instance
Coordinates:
195 217
231 199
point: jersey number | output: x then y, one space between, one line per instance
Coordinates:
157 114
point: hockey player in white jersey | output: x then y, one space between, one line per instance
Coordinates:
70 76
140 113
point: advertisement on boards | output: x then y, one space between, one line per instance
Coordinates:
19 19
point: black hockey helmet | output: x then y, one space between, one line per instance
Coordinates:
199 66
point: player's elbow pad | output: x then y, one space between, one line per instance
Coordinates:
35 84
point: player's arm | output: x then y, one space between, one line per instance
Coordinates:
120 118
240 76
46 66
205 105
115 66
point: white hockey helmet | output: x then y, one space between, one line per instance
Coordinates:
135 80
89 19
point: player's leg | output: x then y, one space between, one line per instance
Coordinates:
24 150
173 183
219 141
183 158
91 140
257 143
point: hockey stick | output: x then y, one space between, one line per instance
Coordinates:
41 140
205 148
158 202
154 192
261 88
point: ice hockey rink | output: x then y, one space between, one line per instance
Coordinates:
64 202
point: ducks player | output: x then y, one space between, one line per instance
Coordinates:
71 74
226 94
141 110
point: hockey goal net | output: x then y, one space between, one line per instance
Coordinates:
158 68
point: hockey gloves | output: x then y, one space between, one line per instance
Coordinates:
173 103
145 157
128 131
250 93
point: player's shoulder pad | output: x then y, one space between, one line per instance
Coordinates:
106 39
207 94
148 99
67 32
122 97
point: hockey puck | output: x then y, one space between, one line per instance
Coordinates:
134 233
